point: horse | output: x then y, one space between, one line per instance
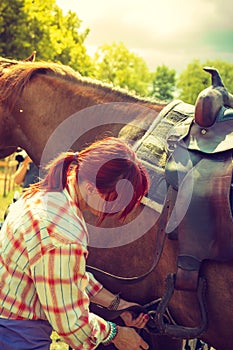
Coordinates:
47 108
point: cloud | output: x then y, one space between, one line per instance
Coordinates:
171 32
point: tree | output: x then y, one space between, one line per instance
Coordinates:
191 81
163 84
194 79
13 24
56 37
117 65
70 47
28 25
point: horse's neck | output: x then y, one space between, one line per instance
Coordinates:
57 115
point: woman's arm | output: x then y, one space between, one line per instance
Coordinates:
60 280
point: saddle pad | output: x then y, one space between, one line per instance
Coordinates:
152 149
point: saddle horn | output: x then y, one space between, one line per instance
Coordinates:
210 100
216 79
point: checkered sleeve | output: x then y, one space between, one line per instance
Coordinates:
62 286
93 286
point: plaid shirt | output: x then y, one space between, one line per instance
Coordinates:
43 251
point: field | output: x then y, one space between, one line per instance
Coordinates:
4 202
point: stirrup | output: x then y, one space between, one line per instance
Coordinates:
175 330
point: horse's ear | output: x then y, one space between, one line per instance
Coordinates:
31 58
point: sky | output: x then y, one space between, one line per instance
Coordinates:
170 32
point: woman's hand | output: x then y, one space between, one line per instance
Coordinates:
128 339
127 317
139 322
105 297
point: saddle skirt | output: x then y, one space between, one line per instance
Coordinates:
199 169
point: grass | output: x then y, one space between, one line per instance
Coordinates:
5 201
57 344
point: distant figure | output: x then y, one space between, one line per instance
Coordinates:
27 172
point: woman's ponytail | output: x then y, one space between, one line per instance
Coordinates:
57 173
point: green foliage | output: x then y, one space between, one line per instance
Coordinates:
39 15
191 81
194 79
163 84
28 25
68 43
13 26
57 37
117 65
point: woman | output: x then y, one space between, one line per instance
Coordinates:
43 252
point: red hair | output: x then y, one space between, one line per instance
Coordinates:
104 163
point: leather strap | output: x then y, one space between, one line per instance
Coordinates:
111 315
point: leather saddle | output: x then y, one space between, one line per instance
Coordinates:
200 171
199 175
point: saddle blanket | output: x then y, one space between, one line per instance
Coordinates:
152 149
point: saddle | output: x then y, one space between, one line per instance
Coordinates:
199 175
200 170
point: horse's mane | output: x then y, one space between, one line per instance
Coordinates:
15 75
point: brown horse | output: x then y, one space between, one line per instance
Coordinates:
47 108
